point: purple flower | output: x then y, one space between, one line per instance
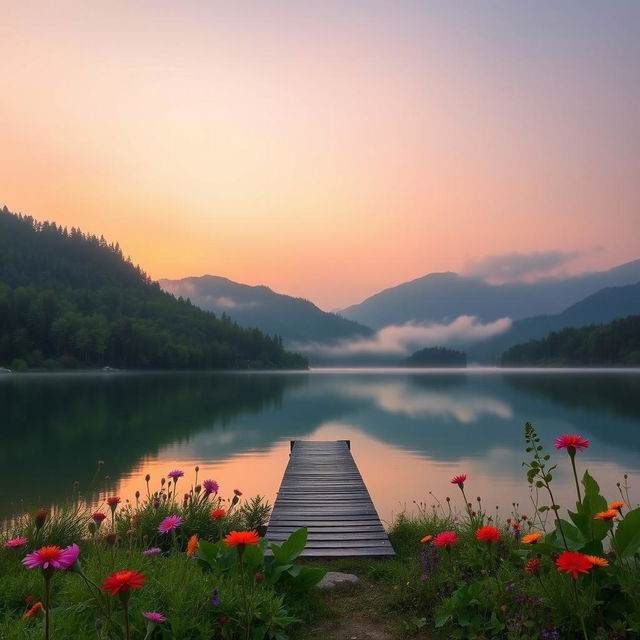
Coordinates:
152 552
175 474
169 524
53 557
154 616
509 585
215 597
210 486
551 634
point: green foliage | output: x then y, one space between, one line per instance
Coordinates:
71 300
627 536
616 343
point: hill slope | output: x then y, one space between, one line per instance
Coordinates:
294 319
616 343
68 299
440 297
603 306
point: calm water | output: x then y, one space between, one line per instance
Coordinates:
411 431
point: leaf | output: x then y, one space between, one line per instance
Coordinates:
294 545
309 576
627 536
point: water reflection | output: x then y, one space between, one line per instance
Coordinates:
410 431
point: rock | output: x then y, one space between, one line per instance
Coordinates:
334 579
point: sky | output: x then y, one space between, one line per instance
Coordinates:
329 149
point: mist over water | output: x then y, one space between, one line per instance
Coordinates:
411 430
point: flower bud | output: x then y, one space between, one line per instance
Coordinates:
147 478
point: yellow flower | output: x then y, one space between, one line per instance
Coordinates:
531 538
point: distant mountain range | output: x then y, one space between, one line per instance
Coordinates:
294 319
442 297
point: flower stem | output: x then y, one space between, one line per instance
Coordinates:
575 475
47 599
578 612
126 619
244 597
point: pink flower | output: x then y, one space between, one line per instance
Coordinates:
572 443
175 474
459 480
152 552
169 524
15 542
237 492
52 556
445 539
210 486
154 616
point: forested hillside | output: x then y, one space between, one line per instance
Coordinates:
616 343
68 299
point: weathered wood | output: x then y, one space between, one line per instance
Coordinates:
323 490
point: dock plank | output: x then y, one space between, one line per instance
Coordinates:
322 489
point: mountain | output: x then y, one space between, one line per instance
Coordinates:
603 306
68 299
616 343
294 319
441 297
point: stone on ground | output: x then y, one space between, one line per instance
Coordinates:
335 579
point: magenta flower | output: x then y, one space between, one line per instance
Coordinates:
175 474
15 542
459 480
572 442
154 616
169 524
237 492
52 556
152 552
210 486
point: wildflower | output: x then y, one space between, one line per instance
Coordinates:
531 538
33 610
29 599
446 539
40 517
113 503
218 513
426 539
237 492
123 581
597 561
572 443
533 566
259 577
616 505
147 478
156 504
98 518
52 557
210 486
152 552
15 543
215 597
574 563
169 524
509 585
192 545
488 534
241 538
154 616
459 480
175 474
606 515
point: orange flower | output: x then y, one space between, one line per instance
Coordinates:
426 539
192 545
616 505
597 561
241 538
32 612
531 538
574 563
218 513
123 581
488 534
606 515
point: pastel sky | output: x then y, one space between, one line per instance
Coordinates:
328 149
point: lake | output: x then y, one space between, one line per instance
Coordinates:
410 431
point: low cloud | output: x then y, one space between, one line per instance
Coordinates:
407 338
225 302
508 267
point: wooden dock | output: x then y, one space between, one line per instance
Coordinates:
323 490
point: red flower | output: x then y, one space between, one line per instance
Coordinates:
572 443
533 566
445 539
459 480
98 518
123 581
218 513
113 500
241 538
574 563
488 534
32 612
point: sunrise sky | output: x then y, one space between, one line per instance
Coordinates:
327 149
